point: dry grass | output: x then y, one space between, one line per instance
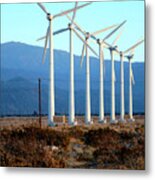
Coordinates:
24 144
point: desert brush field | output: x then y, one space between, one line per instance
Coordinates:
99 146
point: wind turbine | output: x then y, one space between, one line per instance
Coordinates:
88 35
71 119
71 88
49 36
113 48
103 44
121 82
71 102
131 76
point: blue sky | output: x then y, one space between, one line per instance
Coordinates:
27 22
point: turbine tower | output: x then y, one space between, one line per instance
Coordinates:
131 81
71 119
113 79
85 50
49 36
122 105
131 78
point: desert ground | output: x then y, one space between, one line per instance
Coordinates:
98 146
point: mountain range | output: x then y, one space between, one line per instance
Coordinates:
21 67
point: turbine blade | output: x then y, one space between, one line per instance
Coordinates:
93 37
39 39
60 31
92 40
83 52
132 76
134 46
42 7
74 13
45 47
117 52
117 38
110 34
103 30
76 25
55 33
71 10
107 45
114 75
104 69
78 35
101 54
132 52
102 57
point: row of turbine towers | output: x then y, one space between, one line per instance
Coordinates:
73 27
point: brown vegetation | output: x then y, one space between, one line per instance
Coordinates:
120 146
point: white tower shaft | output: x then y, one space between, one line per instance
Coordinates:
130 92
88 101
51 100
101 94
122 107
112 119
71 88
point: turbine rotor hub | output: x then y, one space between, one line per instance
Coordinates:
99 41
70 26
129 57
121 53
113 48
87 35
49 17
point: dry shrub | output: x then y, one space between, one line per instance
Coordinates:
101 137
101 147
26 147
117 149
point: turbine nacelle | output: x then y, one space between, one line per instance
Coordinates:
70 26
121 53
49 17
87 36
129 57
113 48
99 41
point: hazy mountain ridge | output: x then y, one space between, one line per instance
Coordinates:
20 60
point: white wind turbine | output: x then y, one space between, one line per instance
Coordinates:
71 102
103 44
49 36
71 119
121 80
131 76
85 50
113 48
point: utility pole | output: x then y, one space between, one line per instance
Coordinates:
0 90
39 101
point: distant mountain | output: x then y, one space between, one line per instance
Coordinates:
21 66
